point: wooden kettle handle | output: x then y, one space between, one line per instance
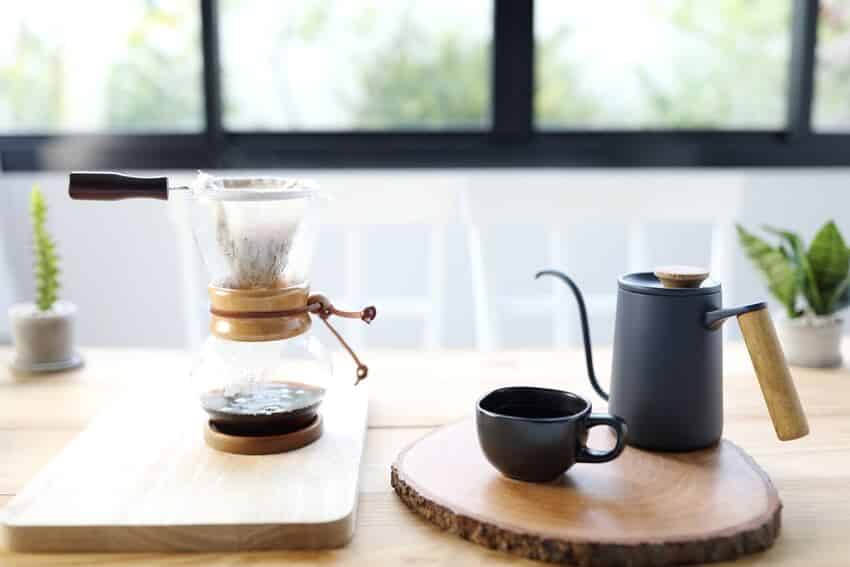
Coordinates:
777 386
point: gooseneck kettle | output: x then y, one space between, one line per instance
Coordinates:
667 370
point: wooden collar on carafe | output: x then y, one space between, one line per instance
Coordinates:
259 314
270 314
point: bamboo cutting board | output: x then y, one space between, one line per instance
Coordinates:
140 478
642 509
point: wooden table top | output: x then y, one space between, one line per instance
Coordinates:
412 392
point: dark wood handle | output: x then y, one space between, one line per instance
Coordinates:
106 186
777 386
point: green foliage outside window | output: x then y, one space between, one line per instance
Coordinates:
147 88
31 86
434 80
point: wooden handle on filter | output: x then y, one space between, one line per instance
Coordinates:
108 186
777 386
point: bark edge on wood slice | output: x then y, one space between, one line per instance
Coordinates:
468 514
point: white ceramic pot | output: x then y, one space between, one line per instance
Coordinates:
44 340
813 342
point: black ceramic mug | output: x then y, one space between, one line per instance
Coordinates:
536 434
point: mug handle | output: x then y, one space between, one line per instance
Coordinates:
588 455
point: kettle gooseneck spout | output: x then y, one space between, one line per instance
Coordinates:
585 329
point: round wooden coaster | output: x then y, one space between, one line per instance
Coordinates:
262 444
642 509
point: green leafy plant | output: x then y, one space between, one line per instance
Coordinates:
46 260
819 274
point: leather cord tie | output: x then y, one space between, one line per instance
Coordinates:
321 307
318 304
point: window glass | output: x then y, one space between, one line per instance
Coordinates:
831 108
661 64
371 64
100 65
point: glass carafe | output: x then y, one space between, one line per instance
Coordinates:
260 371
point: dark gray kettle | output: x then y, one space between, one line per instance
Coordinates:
667 371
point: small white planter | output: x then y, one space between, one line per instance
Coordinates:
44 340
813 342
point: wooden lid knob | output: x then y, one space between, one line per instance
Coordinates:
681 276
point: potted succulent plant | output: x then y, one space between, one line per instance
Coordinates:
812 285
43 331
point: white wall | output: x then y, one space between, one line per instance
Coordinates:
122 261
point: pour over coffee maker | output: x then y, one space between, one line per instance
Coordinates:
261 375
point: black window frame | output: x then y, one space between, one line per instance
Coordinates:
511 140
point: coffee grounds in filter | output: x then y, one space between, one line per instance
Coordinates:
256 256
256 229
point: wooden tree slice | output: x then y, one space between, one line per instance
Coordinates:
641 509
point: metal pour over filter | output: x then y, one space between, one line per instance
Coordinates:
254 232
